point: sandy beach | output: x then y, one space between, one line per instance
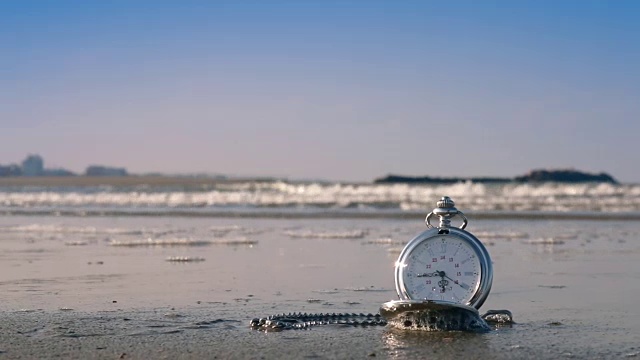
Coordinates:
165 287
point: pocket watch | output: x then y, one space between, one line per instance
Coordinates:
444 264
442 276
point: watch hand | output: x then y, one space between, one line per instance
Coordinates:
433 274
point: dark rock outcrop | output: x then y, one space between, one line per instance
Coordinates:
565 176
562 176
436 180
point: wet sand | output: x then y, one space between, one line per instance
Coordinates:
69 292
197 333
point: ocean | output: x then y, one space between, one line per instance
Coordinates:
262 198
179 269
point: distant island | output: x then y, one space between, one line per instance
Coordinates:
541 175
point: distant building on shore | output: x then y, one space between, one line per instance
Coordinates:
98 170
33 165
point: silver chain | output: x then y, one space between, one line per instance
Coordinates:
300 321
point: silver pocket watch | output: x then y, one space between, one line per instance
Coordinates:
444 264
442 277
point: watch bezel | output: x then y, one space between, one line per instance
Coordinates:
486 269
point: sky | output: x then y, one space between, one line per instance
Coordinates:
335 90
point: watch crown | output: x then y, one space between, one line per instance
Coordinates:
445 210
445 203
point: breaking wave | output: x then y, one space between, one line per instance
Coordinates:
300 197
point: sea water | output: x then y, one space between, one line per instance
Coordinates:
225 197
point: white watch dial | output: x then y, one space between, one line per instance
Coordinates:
443 267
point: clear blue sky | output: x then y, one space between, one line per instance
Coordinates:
340 90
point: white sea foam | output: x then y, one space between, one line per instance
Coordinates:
348 234
470 196
185 259
159 242
500 235
66 229
545 241
385 241
76 243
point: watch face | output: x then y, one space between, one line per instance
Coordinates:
444 267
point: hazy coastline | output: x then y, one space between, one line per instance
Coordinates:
201 180
130 180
